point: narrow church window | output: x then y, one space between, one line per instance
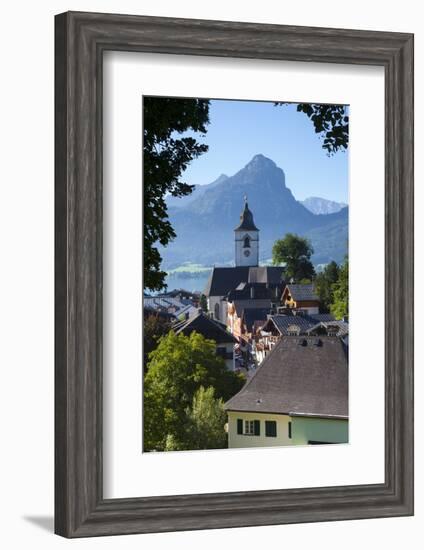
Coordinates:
246 242
216 311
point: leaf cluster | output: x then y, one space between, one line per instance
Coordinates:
324 284
295 252
340 306
167 152
178 367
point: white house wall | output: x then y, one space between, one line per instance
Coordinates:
303 430
236 441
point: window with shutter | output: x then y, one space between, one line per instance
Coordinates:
257 427
239 426
270 428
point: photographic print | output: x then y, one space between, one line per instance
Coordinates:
245 274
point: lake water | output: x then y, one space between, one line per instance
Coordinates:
197 282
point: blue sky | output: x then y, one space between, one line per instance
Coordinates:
238 130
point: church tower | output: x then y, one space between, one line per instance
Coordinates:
247 239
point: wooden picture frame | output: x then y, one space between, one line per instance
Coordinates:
81 39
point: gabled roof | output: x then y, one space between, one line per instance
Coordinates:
302 320
342 326
302 375
301 293
224 279
207 327
283 322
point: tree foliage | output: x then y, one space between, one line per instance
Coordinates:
203 302
178 367
295 252
331 122
154 328
325 285
166 154
205 423
340 306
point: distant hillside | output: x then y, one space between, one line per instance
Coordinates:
204 224
317 205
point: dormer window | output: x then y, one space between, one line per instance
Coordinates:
246 243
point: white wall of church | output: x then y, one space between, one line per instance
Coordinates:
213 302
247 256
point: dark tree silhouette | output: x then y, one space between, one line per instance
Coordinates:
295 252
166 154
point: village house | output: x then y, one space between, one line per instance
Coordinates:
333 327
212 330
223 280
248 303
301 297
298 396
292 322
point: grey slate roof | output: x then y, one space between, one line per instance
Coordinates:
308 379
266 274
259 291
303 292
165 302
343 327
246 220
282 323
322 317
303 321
224 279
207 327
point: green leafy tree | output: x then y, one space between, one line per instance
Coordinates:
178 367
324 283
340 305
205 424
166 154
154 328
203 302
331 122
295 252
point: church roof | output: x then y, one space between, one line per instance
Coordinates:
246 220
302 375
224 279
256 291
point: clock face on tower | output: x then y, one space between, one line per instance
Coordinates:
247 253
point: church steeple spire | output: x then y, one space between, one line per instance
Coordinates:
246 239
246 219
